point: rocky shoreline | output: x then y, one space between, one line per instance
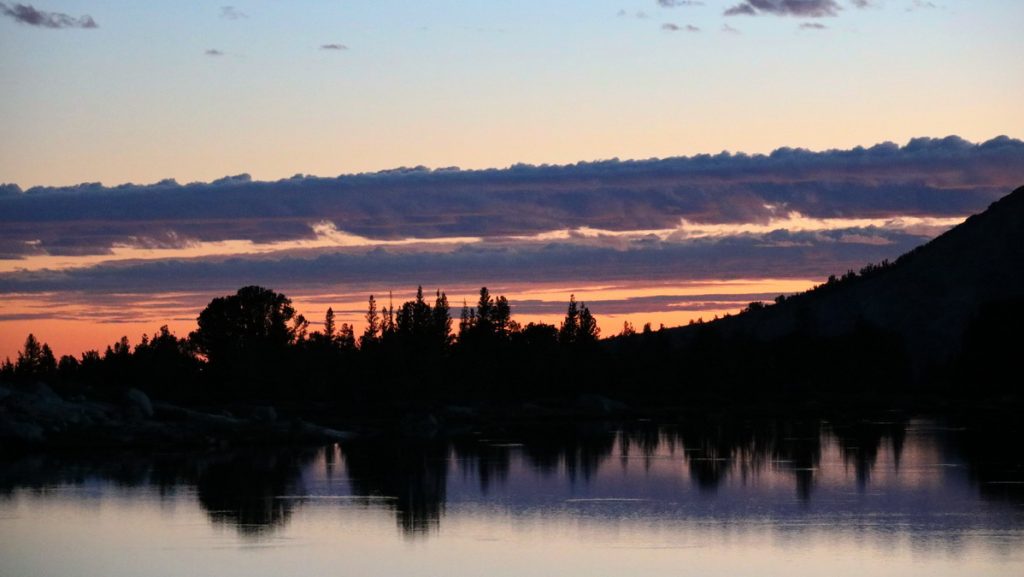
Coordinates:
36 416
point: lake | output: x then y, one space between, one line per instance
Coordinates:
758 497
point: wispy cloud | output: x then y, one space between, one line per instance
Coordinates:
638 14
812 26
213 52
333 47
800 8
670 27
232 13
26 14
776 254
675 3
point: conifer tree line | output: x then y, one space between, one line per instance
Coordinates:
254 344
254 347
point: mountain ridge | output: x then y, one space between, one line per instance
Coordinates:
927 297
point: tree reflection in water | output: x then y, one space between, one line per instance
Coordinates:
257 490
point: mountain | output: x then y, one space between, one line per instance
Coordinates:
924 302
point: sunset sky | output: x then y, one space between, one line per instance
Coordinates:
216 112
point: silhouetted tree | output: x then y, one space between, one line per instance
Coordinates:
442 320
67 366
387 325
253 321
502 317
246 338
570 326
627 329
329 324
7 370
371 334
299 327
415 320
491 322
35 361
346 338
540 337
588 331
484 310
467 320
120 351
165 366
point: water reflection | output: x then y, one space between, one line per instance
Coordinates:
919 476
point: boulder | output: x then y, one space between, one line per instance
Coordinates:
137 401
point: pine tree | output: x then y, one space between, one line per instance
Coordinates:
502 320
588 331
36 360
346 337
485 310
329 324
466 321
388 324
372 332
441 319
570 326
422 316
7 370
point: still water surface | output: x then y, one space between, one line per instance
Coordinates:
767 498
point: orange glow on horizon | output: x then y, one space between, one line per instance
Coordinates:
73 324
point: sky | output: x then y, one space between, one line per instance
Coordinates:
664 160
198 90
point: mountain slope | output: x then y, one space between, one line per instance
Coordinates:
927 298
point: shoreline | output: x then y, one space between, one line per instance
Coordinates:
35 418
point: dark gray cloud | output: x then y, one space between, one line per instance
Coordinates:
926 177
333 47
232 13
801 8
26 14
213 52
741 10
778 254
670 27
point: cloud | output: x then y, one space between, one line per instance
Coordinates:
944 177
675 3
800 8
213 52
25 14
638 14
776 254
812 26
729 29
922 5
741 9
333 47
669 27
232 13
